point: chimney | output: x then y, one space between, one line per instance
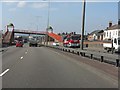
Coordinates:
119 22
110 23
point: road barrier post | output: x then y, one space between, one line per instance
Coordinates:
69 50
84 54
117 62
91 56
72 51
102 58
81 54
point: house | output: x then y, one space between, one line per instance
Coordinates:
96 35
112 31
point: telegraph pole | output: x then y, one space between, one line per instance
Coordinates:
83 24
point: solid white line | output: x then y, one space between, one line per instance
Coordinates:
21 57
4 72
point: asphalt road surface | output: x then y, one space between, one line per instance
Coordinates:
41 67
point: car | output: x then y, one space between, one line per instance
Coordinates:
19 44
13 43
55 44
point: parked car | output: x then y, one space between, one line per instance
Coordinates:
14 43
72 41
55 44
19 44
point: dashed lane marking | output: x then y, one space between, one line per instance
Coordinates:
21 57
4 72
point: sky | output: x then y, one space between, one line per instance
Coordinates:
65 16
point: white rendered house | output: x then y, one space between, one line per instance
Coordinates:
112 31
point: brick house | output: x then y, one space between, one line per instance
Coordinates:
96 35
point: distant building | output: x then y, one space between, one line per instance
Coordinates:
112 31
96 35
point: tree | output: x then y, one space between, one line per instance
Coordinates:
10 25
74 33
63 33
58 33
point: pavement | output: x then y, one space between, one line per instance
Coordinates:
41 67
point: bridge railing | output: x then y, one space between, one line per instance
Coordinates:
29 31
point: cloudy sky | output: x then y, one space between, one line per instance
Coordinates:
65 15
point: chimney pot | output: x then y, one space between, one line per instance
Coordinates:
110 23
119 22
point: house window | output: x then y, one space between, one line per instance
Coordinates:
104 34
119 33
116 32
107 34
113 32
115 40
110 34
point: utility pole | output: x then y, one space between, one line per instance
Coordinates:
83 24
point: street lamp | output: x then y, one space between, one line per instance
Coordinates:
48 20
37 22
83 24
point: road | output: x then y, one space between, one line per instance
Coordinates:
41 67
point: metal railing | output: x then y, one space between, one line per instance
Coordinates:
102 57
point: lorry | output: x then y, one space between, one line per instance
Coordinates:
33 41
113 44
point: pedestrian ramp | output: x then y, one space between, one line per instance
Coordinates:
8 38
55 36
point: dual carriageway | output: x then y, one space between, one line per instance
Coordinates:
44 67
54 67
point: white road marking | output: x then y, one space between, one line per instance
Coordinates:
4 72
21 57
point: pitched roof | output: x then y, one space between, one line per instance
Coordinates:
96 32
116 26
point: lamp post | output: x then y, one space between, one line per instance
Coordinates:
37 22
83 24
48 20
